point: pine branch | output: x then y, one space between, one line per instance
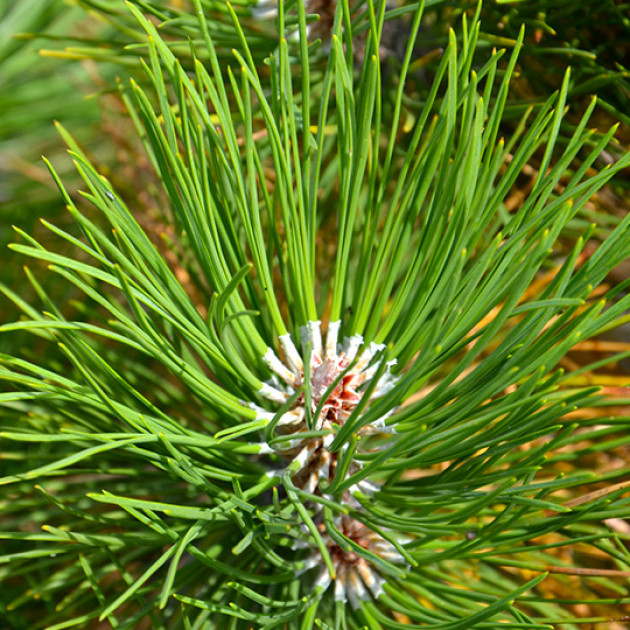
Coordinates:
375 442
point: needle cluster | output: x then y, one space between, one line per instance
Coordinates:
194 449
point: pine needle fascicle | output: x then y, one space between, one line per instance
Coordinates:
206 458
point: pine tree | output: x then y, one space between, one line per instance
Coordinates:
329 397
